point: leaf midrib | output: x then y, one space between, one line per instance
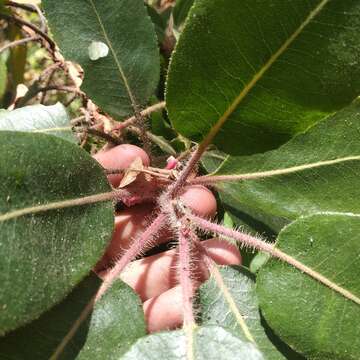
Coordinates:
231 303
123 77
47 130
288 170
258 76
85 200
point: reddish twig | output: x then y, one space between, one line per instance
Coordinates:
103 135
21 22
256 243
185 273
19 42
132 120
136 248
27 7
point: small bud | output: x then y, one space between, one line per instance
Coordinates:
171 163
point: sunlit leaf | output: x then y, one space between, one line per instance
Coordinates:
262 70
316 171
52 120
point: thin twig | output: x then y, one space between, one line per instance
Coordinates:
48 81
19 42
27 7
181 180
32 8
62 88
71 99
103 135
146 170
37 89
22 22
163 144
41 18
79 119
132 120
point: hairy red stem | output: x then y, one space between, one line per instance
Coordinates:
181 180
135 249
258 244
186 273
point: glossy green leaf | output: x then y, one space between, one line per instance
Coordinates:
52 120
319 322
39 339
116 323
265 70
128 75
233 304
315 171
44 254
209 343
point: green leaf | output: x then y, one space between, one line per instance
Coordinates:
314 319
258 261
53 226
209 342
160 22
262 71
52 120
116 323
228 299
315 171
181 10
228 222
47 331
123 80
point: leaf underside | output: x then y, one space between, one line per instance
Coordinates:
52 120
317 321
216 308
209 343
